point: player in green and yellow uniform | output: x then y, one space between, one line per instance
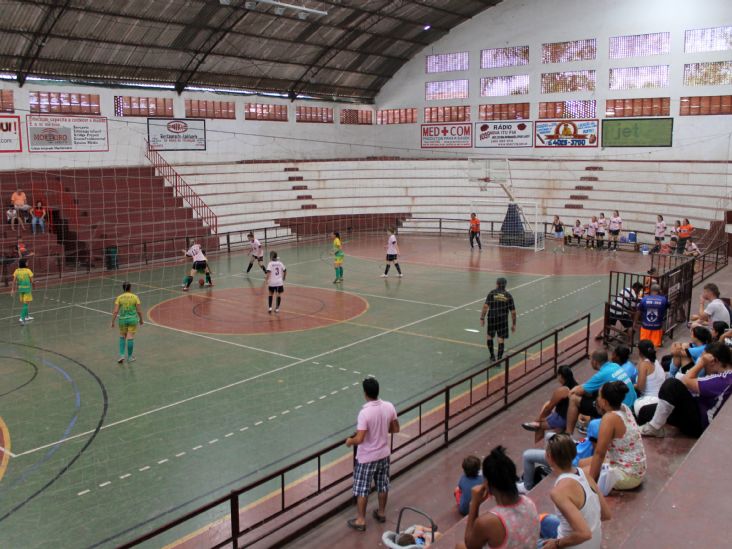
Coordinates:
23 284
129 309
338 257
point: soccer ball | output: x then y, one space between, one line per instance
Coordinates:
201 282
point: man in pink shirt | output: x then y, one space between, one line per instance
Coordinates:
376 421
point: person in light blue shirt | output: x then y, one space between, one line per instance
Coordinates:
582 398
621 355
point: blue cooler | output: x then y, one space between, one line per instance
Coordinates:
632 238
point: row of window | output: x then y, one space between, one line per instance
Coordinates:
620 47
714 73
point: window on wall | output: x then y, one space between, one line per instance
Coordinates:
713 39
639 45
646 106
496 86
446 89
504 111
563 52
314 115
504 57
396 116
265 111
715 73
446 62
447 114
359 117
706 105
568 109
200 108
634 78
6 101
127 105
64 103
568 81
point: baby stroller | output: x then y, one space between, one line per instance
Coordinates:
389 538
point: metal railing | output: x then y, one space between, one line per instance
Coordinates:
434 420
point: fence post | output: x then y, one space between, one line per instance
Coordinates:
556 352
505 382
265 237
234 509
446 434
588 335
440 225
228 243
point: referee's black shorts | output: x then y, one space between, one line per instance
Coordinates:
497 327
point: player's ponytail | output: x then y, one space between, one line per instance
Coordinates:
126 287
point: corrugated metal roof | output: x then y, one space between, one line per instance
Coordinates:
348 54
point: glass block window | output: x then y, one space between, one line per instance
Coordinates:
127 105
568 109
200 108
64 103
706 105
714 39
504 111
265 111
396 116
568 81
447 114
504 57
314 115
563 52
497 86
6 101
635 78
646 106
446 89
639 45
715 73
446 62
358 117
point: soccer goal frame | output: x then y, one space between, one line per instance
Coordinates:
516 223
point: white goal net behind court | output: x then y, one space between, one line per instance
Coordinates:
509 223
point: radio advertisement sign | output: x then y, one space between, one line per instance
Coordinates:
11 138
176 134
504 134
52 133
447 136
567 133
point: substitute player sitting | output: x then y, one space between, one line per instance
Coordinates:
200 265
497 305
128 307
276 274
23 284
256 253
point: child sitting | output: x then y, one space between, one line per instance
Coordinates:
416 535
470 478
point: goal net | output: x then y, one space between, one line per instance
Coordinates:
509 223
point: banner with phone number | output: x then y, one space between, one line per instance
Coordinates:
566 133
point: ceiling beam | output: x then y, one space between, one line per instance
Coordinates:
438 9
38 39
384 15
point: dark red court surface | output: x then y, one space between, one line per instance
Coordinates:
244 310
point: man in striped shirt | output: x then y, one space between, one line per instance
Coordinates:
623 307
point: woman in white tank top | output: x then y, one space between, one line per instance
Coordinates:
651 376
578 502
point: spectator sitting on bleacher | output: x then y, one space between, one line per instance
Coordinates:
690 402
711 308
621 355
23 250
691 249
13 218
470 478
719 329
38 217
553 415
619 461
623 307
651 376
685 355
20 202
579 505
513 521
582 397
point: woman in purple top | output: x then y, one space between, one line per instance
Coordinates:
691 402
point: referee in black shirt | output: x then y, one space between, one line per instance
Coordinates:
496 307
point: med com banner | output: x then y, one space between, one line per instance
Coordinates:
637 132
176 134
504 134
447 136
567 133
11 137
50 133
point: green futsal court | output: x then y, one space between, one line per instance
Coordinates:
104 452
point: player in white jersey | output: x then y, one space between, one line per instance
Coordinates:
200 265
577 231
615 226
275 276
660 233
392 254
591 232
600 233
256 253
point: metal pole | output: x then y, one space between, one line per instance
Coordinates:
446 434
228 242
505 382
556 351
234 509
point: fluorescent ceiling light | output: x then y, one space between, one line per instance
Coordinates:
285 5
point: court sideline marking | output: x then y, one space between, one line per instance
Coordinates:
275 370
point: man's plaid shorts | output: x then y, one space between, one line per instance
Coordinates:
363 473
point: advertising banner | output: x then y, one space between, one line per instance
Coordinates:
637 132
176 134
447 136
567 133
11 139
504 134
64 133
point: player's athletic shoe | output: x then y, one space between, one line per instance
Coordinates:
277 310
400 275
131 359
121 359
209 284
28 318
21 321
269 310
184 288
385 276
